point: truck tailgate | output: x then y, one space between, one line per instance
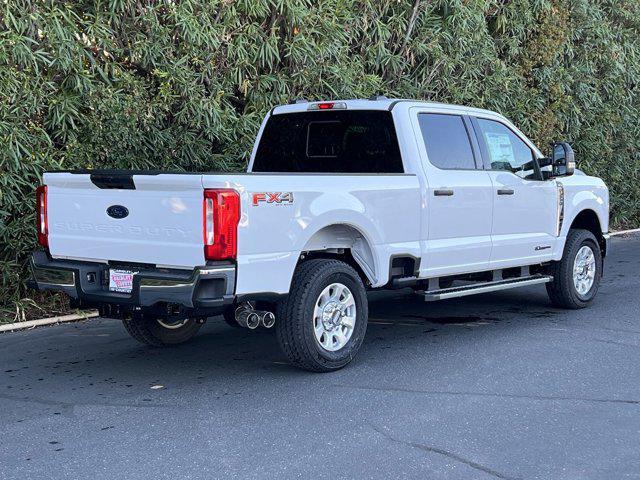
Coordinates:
161 222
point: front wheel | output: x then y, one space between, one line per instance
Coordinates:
322 322
161 333
576 277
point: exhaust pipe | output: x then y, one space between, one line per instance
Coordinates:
248 317
268 319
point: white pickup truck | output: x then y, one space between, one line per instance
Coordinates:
340 197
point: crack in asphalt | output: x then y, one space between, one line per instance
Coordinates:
445 453
492 395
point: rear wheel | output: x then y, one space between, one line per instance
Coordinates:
161 332
322 322
576 277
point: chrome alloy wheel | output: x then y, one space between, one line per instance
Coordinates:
334 317
584 270
172 324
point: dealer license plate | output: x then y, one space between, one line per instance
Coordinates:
121 280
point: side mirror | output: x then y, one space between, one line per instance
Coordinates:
563 161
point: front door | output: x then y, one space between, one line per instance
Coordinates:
525 214
459 196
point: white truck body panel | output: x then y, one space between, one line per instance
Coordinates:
384 209
164 226
524 224
582 192
380 216
459 226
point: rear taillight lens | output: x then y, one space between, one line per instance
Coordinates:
41 216
221 214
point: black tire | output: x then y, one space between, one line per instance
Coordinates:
294 317
150 332
562 290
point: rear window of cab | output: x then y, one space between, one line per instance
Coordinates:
356 141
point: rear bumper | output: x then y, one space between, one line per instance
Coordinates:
203 288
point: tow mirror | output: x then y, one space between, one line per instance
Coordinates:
563 161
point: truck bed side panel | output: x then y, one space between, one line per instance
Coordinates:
280 213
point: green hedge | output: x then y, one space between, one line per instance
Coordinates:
183 84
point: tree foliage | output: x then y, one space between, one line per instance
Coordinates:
183 84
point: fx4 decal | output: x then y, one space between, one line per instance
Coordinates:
278 198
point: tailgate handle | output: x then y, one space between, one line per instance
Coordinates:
122 181
445 192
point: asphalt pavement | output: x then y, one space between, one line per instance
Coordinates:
500 385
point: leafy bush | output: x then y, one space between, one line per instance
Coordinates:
183 84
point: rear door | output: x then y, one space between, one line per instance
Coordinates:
124 217
524 205
459 196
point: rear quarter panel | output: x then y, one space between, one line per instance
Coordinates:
385 209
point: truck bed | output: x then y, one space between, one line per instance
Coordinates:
280 213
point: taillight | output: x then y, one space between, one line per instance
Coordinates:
41 216
221 214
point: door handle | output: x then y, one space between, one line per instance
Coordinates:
505 191
445 192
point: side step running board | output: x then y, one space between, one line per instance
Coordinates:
453 292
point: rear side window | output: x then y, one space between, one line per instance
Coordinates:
446 140
357 141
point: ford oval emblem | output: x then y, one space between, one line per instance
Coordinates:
117 211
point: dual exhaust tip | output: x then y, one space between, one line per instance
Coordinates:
249 318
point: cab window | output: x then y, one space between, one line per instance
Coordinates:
446 141
505 150
342 141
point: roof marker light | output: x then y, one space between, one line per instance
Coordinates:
327 106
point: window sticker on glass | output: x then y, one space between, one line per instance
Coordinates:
500 149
